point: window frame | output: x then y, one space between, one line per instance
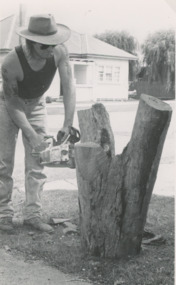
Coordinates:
104 70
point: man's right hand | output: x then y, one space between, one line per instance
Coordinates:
39 143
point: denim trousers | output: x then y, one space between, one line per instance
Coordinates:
35 178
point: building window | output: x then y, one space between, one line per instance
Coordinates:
117 74
109 74
101 73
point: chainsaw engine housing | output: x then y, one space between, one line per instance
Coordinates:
61 155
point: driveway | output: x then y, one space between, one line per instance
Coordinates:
14 270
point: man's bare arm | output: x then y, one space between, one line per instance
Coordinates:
14 105
69 95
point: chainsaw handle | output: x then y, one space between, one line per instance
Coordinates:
74 135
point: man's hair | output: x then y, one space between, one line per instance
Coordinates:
29 44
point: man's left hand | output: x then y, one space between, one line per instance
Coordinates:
63 134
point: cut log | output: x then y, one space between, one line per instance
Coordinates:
115 191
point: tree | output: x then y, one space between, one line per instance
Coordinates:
122 40
114 191
159 58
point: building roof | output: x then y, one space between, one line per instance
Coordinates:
79 45
86 46
9 39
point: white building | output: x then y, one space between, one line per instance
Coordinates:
100 70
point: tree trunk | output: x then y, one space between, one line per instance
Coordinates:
115 191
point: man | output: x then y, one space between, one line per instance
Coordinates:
27 73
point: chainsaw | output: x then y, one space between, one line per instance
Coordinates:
60 153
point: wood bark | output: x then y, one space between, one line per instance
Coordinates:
114 191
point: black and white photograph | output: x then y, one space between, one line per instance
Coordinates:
87 142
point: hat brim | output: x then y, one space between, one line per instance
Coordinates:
62 35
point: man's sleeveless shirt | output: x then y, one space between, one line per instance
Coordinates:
34 83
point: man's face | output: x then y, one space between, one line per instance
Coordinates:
44 51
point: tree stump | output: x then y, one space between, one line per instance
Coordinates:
114 191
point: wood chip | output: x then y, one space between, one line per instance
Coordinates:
56 221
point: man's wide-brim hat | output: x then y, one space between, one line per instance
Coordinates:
44 30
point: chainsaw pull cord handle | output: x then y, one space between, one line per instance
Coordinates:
50 139
47 137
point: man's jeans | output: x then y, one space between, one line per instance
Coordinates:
34 177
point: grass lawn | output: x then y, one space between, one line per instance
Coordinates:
154 265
